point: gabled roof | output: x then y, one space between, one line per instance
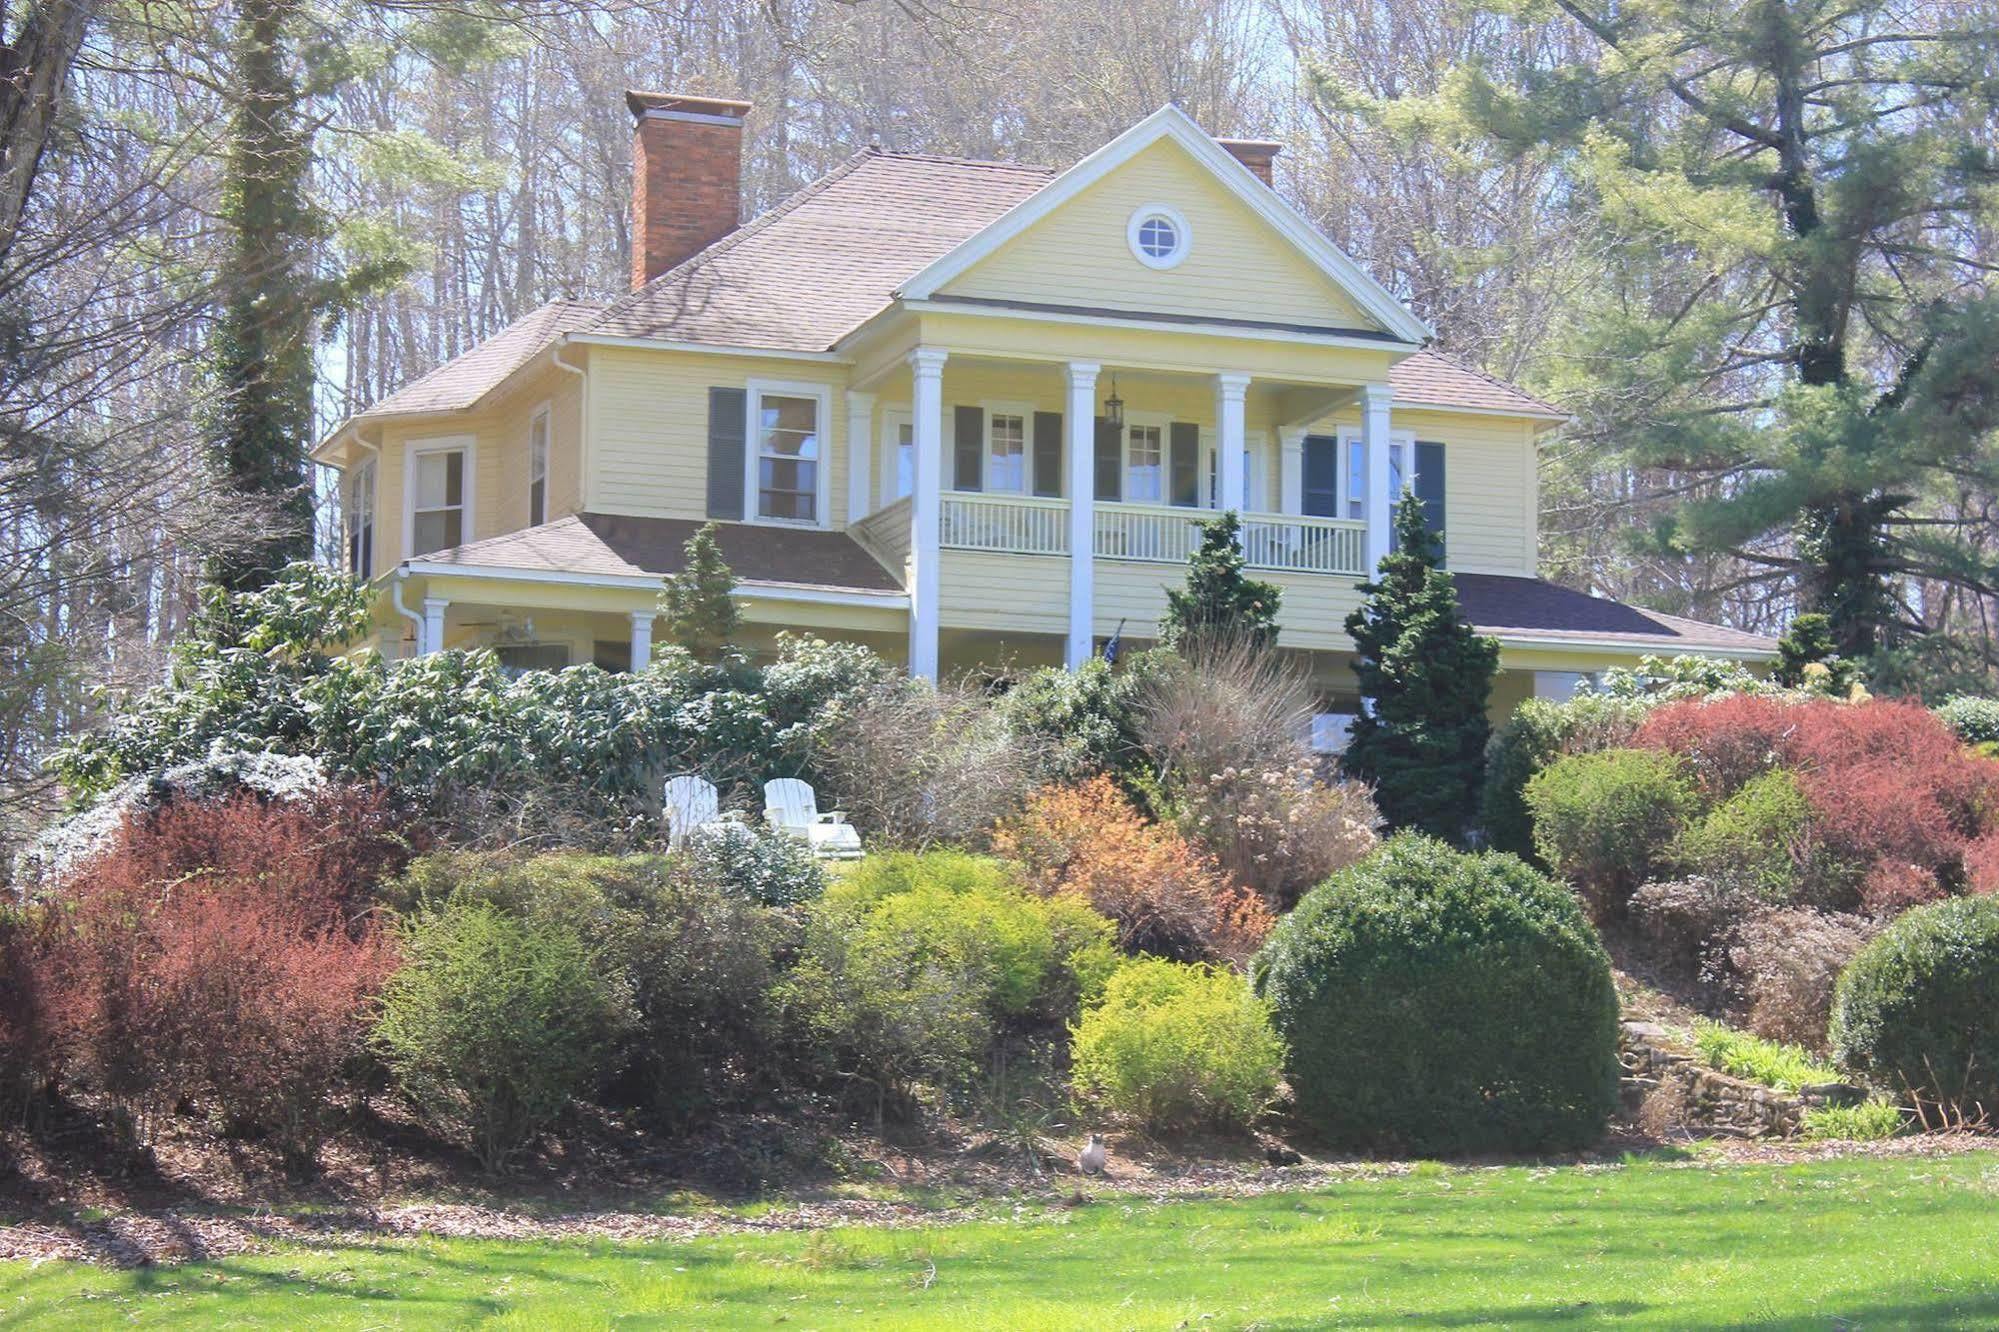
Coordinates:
1535 610
1432 379
1169 122
827 259
464 379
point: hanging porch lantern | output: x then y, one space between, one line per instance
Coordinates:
1114 408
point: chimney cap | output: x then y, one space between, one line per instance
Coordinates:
643 104
1252 147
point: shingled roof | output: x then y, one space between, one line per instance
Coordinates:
461 381
1533 608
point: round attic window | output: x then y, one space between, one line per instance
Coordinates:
1158 236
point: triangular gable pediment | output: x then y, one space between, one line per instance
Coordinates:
1249 256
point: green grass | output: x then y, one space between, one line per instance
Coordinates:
1857 1243
1738 1054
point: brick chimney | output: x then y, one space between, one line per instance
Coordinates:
687 177
1256 154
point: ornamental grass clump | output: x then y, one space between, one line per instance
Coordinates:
1440 1002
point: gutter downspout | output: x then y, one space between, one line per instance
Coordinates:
582 420
396 599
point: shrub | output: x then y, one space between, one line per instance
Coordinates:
754 863
1785 965
1917 1011
1981 864
1540 731
1688 921
913 967
1166 896
495 1022
1758 840
222 953
1088 720
1871 1121
1607 821
1173 1046
1972 719
1444 1002
1725 741
1772 1063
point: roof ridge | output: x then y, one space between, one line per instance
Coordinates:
1034 168
784 208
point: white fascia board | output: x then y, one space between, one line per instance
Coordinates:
950 307
1171 122
749 589
705 348
1541 642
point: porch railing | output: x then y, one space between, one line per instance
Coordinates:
1017 524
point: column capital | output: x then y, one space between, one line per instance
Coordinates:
928 362
433 604
1083 374
1292 436
643 619
1231 384
1377 395
859 401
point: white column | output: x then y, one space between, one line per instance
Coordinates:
1081 417
1228 434
1291 469
1375 402
641 639
926 366
433 626
860 454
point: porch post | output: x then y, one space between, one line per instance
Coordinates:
860 454
926 365
433 626
1291 470
1375 402
1082 422
1229 389
641 639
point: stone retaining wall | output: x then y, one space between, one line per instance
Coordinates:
1666 1088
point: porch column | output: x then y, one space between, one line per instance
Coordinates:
1082 423
1229 389
1291 470
1375 402
860 454
926 366
641 639
433 626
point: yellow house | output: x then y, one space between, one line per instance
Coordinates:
966 412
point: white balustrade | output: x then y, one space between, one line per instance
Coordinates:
1017 524
1157 534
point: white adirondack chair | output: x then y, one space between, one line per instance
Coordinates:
691 803
791 806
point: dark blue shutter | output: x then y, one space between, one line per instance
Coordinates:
728 410
1184 469
1430 487
1048 454
969 447
1322 476
1110 461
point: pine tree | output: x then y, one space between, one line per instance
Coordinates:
697 604
1425 677
1219 604
1808 643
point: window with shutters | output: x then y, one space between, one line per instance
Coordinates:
538 468
1006 446
1145 463
357 506
1401 477
786 453
439 485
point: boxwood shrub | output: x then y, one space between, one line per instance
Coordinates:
1917 1010
1608 822
1435 1001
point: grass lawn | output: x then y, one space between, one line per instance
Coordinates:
1852 1244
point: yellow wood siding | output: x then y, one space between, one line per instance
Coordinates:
1237 265
1022 593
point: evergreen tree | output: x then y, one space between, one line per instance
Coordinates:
1807 643
1219 604
1799 335
1426 678
700 611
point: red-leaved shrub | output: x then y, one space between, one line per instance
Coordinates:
1981 864
1892 790
1165 895
222 954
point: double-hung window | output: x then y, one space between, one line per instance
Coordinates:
357 506
1006 449
1400 476
1145 464
538 468
440 504
898 476
787 453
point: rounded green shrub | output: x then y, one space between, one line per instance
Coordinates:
1175 1046
1975 720
1917 1010
1756 841
1538 732
495 1022
1441 1002
1607 822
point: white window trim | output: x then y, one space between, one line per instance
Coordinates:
1025 411
1163 420
1140 216
894 416
469 445
1349 437
755 390
543 416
